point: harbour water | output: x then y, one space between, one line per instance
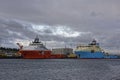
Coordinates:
59 69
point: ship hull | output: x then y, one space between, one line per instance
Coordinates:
95 55
34 54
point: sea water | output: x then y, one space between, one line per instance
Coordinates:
59 69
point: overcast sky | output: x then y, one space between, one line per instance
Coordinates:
60 22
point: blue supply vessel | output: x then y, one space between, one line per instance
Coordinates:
92 50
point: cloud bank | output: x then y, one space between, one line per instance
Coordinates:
60 23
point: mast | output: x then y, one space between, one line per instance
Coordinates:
36 40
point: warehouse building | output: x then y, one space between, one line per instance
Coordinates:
64 51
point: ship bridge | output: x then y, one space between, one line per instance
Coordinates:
35 45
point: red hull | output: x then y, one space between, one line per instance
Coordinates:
34 54
57 56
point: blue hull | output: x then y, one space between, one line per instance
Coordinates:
99 55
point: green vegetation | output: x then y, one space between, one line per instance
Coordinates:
8 49
8 52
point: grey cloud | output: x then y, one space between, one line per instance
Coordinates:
15 29
57 12
99 17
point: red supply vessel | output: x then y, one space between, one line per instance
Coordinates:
36 50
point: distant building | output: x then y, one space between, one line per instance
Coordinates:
8 51
65 51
